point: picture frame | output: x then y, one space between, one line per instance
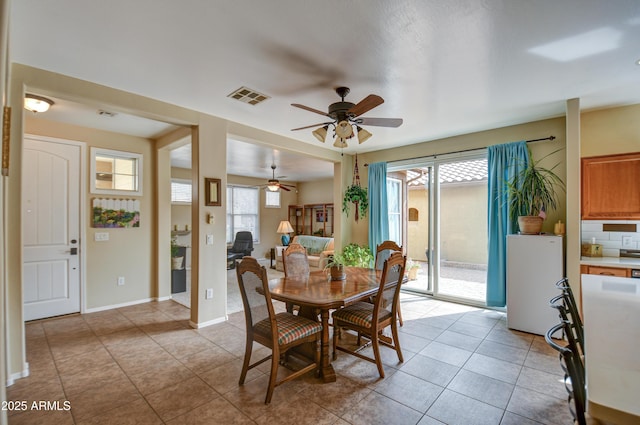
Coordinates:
212 192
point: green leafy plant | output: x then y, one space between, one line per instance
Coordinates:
175 252
357 255
357 195
533 189
335 260
412 264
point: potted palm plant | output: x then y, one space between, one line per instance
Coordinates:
531 194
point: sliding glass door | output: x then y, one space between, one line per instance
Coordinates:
444 229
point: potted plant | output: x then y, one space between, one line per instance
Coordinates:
357 256
357 195
531 194
335 264
176 258
412 268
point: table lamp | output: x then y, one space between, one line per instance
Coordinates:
285 228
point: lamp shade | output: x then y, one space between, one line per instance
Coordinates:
363 134
285 227
320 133
35 103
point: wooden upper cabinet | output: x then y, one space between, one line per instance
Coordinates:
611 187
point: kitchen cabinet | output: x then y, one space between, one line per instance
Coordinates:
608 271
611 187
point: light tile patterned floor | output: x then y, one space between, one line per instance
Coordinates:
144 365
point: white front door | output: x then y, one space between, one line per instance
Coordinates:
51 227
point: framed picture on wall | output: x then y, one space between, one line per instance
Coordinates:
212 192
320 216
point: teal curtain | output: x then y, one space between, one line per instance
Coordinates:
378 207
504 162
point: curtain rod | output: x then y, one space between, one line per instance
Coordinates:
550 138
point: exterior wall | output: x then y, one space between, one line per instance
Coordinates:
464 233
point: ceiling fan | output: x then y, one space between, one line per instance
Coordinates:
346 115
273 185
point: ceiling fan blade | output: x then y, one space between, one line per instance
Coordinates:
285 188
310 126
380 122
366 104
307 108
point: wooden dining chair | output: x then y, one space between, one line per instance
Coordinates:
296 264
279 332
370 320
383 251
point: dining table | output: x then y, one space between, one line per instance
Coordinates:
317 295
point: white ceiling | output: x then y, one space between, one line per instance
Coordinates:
445 67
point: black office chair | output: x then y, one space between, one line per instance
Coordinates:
242 246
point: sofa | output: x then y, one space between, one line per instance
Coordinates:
318 250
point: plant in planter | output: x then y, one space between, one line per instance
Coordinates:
357 195
412 268
176 258
335 264
357 255
531 194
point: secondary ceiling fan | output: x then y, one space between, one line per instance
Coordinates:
346 115
273 185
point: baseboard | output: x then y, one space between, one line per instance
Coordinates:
127 304
168 297
11 379
209 323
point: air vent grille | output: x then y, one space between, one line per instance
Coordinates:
104 113
247 95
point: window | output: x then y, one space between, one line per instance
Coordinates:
271 199
243 206
394 203
180 191
115 172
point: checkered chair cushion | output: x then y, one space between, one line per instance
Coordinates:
290 327
360 314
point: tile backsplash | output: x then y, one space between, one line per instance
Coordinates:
611 241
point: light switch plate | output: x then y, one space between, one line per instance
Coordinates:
101 236
208 294
209 239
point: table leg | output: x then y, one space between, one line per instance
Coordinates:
326 370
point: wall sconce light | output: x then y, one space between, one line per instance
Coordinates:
35 103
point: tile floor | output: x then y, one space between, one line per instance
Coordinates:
143 364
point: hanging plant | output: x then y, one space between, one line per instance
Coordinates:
357 195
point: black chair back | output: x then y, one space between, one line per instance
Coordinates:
243 243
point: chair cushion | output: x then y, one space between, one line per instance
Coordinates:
290 327
359 314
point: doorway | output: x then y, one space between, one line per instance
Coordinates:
444 225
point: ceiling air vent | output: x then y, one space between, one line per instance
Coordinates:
249 96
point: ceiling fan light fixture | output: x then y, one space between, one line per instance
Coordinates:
321 133
340 143
344 129
273 187
36 103
363 135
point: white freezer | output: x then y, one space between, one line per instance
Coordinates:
534 265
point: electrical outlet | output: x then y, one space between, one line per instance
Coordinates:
627 242
120 280
208 294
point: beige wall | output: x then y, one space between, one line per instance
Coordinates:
610 131
128 252
318 192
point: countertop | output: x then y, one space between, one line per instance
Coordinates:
622 262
